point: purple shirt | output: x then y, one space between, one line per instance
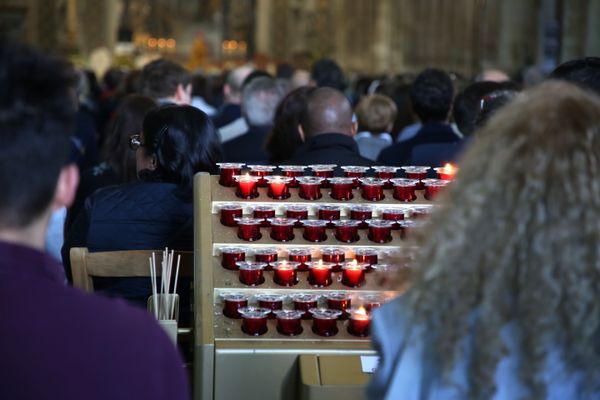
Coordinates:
57 342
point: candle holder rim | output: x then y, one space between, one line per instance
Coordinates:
346 222
270 297
324 313
404 182
231 206
314 222
380 223
284 179
234 296
280 264
329 207
322 167
370 181
257 167
360 168
296 207
252 178
361 207
288 314
248 221
415 168
265 250
310 180
261 312
321 264
299 251
335 250
366 251
292 167
227 165
341 180
353 265
229 249
250 265
385 168
305 297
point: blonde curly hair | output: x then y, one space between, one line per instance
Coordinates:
517 238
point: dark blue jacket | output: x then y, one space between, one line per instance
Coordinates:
248 148
227 114
138 216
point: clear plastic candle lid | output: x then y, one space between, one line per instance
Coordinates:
288 314
251 265
361 208
267 168
234 297
254 312
296 208
325 313
346 222
305 298
404 182
320 265
263 208
322 167
336 251
366 251
270 297
410 223
422 210
329 208
314 222
355 265
230 250
435 182
282 221
341 181
292 167
231 165
394 211
386 168
355 168
310 180
285 265
301 251
372 181
248 221
246 178
265 251
415 169
230 206
278 179
338 296
379 223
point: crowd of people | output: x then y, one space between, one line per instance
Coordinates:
503 301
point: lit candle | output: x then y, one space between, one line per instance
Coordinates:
278 187
353 274
447 172
319 273
359 323
247 186
285 273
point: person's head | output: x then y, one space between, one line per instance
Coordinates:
127 121
232 90
165 80
431 95
492 75
259 100
467 104
527 193
112 78
285 136
327 73
300 78
176 142
584 72
376 113
492 102
37 109
327 111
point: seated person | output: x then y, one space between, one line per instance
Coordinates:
57 342
175 143
376 115
516 314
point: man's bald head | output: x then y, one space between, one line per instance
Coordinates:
327 111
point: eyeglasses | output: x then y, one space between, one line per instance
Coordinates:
135 142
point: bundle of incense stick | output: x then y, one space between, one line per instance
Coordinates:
163 299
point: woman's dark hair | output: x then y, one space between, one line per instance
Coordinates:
128 121
285 138
184 141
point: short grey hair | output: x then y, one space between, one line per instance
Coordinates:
260 98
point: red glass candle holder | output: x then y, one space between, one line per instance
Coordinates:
372 301
267 255
254 320
264 214
361 213
229 212
323 171
304 302
278 187
309 187
297 212
433 187
251 273
394 215
359 323
231 255
319 273
416 172
271 302
249 229
420 212
329 213
285 273
385 274
404 189
341 188
355 172
302 256
447 172
368 256
247 186
325 321
347 231
261 171
353 274
387 174
380 231
334 255
314 230
232 302
339 301
372 189
289 322
282 229
228 172
292 171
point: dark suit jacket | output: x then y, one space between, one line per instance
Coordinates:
417 151
227 114
248 148
330 148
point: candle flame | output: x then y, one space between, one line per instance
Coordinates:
449 168
353 264
361 311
